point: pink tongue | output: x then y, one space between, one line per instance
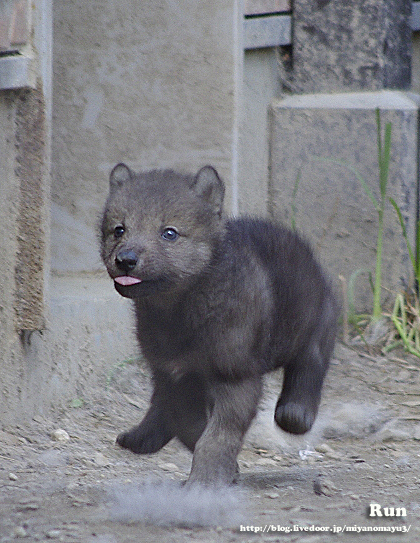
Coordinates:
127 280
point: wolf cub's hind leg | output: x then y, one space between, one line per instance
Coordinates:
190 407
298 404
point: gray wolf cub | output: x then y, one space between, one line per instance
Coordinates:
218 303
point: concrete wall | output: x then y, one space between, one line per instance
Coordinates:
346 46
155 87
340 47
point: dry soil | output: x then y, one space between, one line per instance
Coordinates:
63 478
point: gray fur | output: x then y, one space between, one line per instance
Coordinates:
220 303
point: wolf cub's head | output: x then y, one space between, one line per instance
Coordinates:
160 228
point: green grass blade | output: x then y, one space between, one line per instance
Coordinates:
404 233
377 311
384 153
400 327
418 253
357 175
379 135
386 157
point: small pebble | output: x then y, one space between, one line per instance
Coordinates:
19 531
403 376
323 448
27 506
53 534
389 434
169 466
101 460
272 495
13 477
324 487
60 435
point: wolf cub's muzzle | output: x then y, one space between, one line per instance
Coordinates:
126 261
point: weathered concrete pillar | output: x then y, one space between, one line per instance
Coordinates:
25 135
349 46
330 205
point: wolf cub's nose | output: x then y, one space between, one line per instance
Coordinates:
126 261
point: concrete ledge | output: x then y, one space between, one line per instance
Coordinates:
331 207
385 99
16 72
270 31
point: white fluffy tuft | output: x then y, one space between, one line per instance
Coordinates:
169 504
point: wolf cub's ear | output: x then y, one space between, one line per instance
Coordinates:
119 175
208 186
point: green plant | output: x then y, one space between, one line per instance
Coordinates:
406 319
384 155
406 313
414 256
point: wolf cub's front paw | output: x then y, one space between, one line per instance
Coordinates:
140 442
128 440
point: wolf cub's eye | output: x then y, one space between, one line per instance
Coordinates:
170 234
119 231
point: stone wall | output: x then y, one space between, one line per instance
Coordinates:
344 46
341 52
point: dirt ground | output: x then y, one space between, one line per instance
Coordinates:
78 486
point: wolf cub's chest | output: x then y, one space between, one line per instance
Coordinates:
164 337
